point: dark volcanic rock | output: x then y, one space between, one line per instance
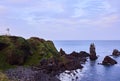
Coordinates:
28 74
73 65
81 54
43 62
108 61
62 52
71 61
74 60
115 52
92 52
74 54
84 54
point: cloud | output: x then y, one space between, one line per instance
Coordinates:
59 17
45 6
17 1
107 21
101 22
92 9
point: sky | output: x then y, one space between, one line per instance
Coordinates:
61 19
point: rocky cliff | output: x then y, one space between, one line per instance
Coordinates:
16 50
40 55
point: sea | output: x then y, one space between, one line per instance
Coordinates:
92 71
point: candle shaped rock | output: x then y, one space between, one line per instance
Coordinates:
92 52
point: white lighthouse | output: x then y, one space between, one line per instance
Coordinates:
8 32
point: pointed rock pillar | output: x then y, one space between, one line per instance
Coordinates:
62 52
92 52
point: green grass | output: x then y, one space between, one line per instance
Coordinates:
17 47
40 50
3 64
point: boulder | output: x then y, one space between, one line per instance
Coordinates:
108 61
115 52
84 54
92 52
74 54
73 65
80 54
43 62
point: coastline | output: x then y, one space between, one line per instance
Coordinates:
18 52
53 65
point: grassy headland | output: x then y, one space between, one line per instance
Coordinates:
16 50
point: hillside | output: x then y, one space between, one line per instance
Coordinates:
16 50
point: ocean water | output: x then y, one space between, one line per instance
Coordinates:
92 71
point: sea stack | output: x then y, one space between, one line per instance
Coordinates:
92 52
115 52
109 61
62 52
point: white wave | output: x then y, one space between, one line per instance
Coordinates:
74 75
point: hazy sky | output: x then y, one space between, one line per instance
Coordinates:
61 19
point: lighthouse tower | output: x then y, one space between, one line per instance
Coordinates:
8 32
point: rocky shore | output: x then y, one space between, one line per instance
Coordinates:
36 59
48 69
28 74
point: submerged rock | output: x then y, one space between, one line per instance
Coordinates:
115 52
92 52
108 61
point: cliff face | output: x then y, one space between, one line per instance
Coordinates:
41 49
18 51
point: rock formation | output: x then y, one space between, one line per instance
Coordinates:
92 52
115 52
62 52
108 61
41 55
70 61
